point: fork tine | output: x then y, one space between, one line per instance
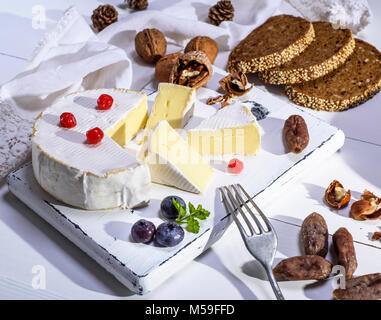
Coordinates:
230 210
257 222
267 222
238 206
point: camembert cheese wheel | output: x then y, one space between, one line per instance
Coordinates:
92 176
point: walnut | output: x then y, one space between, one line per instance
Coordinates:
336 196
150 45
295 133
204 44
368 208
192 69
164 66
235 84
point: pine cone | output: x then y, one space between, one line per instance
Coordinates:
222 11
103 16
137 4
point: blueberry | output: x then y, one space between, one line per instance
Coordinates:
169 234
143 231
167 208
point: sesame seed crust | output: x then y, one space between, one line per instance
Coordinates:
286 75
354 83
254 63
331 105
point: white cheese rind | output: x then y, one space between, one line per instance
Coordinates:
235 115
92 177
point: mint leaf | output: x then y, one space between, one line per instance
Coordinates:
201 213
191 207
180 209
193 225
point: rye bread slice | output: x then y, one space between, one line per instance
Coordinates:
356 81
275 42
329 50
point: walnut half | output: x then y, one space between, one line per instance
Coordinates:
193 69
336 196
368 208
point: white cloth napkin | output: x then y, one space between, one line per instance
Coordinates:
72 57
352 14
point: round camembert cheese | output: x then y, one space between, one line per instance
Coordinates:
87 176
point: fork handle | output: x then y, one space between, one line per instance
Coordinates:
274 283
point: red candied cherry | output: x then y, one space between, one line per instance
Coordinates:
105 102
235 166
67 120
94 135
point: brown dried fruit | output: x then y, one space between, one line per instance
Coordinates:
164 66
366 287
315 235
296 133
204 44
376 236
308 267
103 16
150 45
367 208
192 69
345 250
336 196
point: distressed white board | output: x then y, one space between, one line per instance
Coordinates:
105 235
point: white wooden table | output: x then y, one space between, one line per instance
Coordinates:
227 271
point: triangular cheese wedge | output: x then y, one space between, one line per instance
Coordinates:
231 130
173 103
173 162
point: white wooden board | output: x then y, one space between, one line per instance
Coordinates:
105 235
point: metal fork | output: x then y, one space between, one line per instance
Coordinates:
263 244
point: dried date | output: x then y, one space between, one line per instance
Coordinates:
315 235
345 250
296 133
366 287
307 267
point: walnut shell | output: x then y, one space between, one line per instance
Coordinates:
336 196
150 45
193 69
204 44
362 208
164 66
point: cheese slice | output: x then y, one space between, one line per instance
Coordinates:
89 176
231 130
173 162
173 103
